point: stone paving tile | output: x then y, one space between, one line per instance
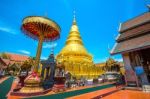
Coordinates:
128 94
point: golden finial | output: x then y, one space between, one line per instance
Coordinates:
74 14
74 17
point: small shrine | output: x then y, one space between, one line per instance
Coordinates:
48 71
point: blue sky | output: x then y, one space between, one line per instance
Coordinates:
98 22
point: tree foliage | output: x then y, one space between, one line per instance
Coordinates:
14 67
27 65
112 65
4 56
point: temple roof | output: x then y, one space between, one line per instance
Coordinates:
3 63
137 21
134 35
17 57
13 58
74 44
137 43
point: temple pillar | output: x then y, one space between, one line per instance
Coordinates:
127 61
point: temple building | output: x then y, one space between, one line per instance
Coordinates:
75 57
11 58
133 43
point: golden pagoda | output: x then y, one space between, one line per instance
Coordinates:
75 57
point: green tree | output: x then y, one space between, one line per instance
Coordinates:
26 66
112 65
14 67
5 56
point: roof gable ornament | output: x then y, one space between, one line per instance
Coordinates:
148 6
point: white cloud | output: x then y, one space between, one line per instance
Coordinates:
8 30
24 52
50 45
43 57
119 60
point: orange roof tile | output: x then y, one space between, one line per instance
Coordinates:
17 57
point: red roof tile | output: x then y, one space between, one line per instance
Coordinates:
17 57
7 61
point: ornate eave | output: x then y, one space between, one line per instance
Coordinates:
134 35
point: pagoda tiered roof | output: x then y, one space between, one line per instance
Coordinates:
74 46
134 34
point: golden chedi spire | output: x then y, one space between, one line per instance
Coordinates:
74 48
74 56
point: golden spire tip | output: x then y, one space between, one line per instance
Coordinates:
74 14
74 17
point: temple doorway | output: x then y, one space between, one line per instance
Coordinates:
145 54
140 63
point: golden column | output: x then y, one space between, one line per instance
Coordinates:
38 53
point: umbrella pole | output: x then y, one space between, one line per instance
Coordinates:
38 53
